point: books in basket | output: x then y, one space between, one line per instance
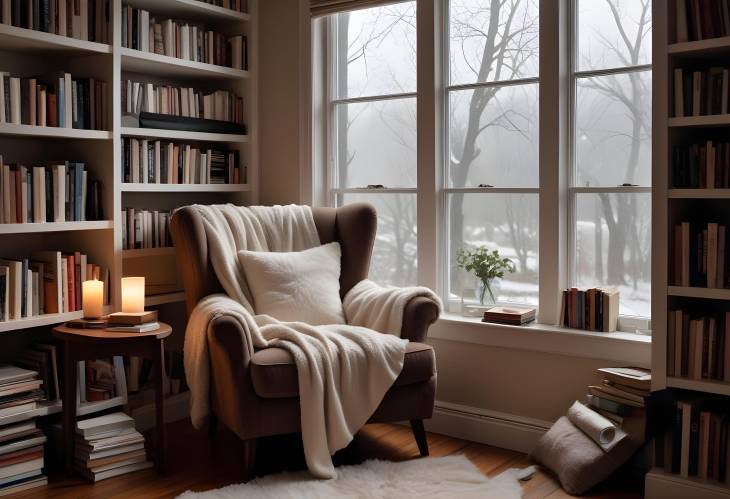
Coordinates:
510 315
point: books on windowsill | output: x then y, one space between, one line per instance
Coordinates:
510 315
594 309
108 446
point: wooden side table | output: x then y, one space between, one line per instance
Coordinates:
90 344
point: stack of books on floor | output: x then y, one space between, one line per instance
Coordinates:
699 256
696 442
143 322
515 316
697 345
593 309
621 397
108 446
21 443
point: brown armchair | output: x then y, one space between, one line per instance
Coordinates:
255 392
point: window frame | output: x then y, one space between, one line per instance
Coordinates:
626 322
556 93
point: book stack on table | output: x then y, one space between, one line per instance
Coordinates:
108 446
21 443
621 397
143 322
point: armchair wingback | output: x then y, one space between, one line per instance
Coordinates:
255 393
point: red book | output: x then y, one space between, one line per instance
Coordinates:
71 274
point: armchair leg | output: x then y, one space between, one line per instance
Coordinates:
212 426
249 459
419 432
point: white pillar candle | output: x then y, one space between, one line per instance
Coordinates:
132 295
92 295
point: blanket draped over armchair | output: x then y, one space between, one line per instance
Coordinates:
344 370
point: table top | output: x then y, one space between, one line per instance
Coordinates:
63 332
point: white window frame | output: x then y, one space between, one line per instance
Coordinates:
626 322
556 83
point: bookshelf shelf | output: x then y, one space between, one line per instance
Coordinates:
185 187
49 132
35 228
162 65
144 253
695 292
38 321
28 40
185 8
163 299
710 386
712 120
157 133
699 194
712 46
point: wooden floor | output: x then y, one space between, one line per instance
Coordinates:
195 464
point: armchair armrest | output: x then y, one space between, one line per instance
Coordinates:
419 314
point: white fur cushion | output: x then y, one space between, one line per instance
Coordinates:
299 286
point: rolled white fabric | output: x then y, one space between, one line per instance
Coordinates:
599 429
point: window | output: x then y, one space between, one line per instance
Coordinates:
372 146
610 178
491 168
487 189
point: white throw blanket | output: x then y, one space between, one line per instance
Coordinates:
343 370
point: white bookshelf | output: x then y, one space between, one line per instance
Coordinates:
672 206
25 53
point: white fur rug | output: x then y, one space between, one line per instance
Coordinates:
444 477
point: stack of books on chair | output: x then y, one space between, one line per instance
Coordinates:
122 322
621 397
108 446
21 443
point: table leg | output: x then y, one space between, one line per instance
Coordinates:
69 404
160 444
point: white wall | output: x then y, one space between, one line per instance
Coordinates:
519 382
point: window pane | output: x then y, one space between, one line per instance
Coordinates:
487 47
613 33
375 51
613 247
506 222
395 257
613 130
493 136
376 143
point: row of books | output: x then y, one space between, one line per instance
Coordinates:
593 309
98 380
155 162
702 166
82 19
48 282
701 19
237 5
699 255
701 92
696 442
55 192
108 446
55 101
143 229
697 346
220 105
180 39
21 443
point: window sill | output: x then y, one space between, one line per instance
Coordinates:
627 348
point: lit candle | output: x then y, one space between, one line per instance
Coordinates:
132 295
92 295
